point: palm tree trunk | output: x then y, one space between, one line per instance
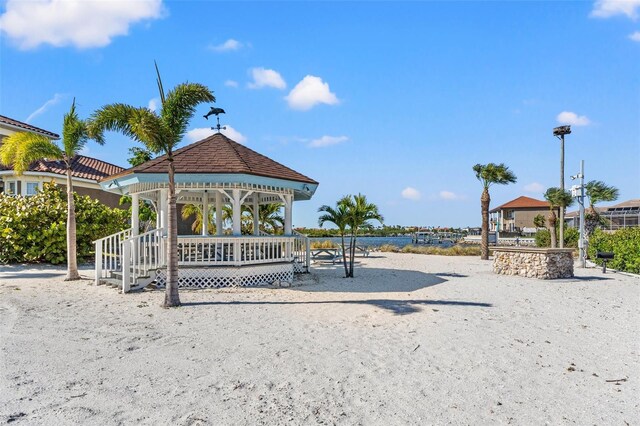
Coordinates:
344 257
552 229
352 251
485 199
171 297
72 255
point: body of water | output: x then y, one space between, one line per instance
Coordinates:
375 241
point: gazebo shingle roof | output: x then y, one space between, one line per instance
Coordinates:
218 154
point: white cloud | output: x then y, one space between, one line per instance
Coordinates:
82 24
573 119
200 133
154 104
635 36
411 193
227 46
56 98
266 78
608 8
448 195
231 83
309 92
327 141
534 187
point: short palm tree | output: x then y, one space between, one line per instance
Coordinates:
597 191
21 149
189 210
160 133
558 199
339 216
270 218
360 213
489 174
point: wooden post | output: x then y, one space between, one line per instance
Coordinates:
205 213
218 213
126 266
256 213
98 261
288 207
237 220
135 214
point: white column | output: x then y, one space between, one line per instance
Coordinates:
288 207
218 213
164 208
237 229
135 214
205 213
256 213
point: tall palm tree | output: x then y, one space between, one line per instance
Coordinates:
597 191
339 216
21 149
489 174
558 199
269 217
360 213
159 133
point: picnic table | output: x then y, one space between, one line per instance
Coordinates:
332 253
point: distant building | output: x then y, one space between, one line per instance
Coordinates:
86 171
517 214
621 215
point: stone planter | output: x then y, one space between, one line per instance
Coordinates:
542 263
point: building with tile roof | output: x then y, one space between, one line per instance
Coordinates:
86 171
517 214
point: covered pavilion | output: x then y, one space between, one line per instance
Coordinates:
215 171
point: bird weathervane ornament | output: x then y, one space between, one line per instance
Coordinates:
216 111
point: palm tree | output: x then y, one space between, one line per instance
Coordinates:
339 216
558 199
597 191
360 213
490 174
189 210
21 149
160 133
269 217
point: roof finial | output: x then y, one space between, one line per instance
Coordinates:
216 111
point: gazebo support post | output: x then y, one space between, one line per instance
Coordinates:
288 207
218 213
135 214
235 202
256 213
205 213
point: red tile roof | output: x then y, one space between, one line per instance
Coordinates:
218 154
29 127
81 167
523 203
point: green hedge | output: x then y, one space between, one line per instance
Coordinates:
571 237
625 245
34 229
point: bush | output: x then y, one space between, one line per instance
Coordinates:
571 237
326 244
457 250
34 229
625 245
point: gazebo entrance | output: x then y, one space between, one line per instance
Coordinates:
211 174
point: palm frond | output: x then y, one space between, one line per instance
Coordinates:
139 124
180 105
21 149
492 173
598 191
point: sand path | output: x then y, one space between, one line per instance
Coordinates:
411 340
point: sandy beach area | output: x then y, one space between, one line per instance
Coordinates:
412 339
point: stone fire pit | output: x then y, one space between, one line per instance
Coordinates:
542 263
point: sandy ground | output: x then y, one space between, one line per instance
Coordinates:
411 340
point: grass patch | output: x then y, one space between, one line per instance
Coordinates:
326 244
457 250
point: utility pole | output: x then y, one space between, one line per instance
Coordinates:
582 243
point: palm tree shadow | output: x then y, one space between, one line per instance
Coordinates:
397 307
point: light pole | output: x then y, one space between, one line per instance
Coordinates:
580 196
559 132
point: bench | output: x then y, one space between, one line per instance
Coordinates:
333 253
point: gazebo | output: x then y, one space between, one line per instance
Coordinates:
215 171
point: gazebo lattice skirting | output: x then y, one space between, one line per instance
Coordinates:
213 172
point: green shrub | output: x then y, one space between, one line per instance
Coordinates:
625 245
571 237
457 250
326 244
34 229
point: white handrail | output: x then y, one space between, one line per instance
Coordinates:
302 250
141 253
108 253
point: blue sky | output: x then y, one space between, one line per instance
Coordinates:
394 100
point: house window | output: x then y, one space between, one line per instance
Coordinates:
10 187
32 188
